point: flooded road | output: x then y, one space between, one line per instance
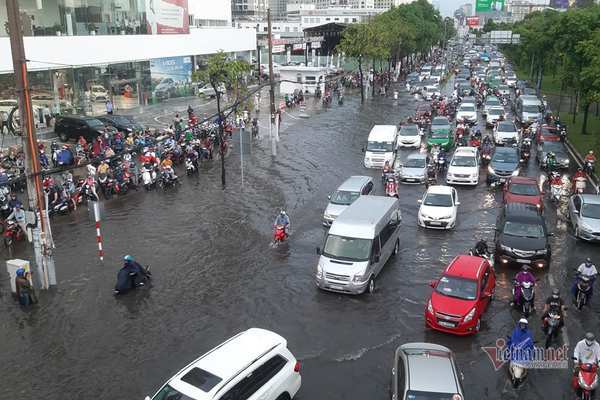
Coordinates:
216 275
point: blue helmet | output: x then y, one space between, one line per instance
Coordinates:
128 258
21 272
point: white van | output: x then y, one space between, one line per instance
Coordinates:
358 244
528 109
381 146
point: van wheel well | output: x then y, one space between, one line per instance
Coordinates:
284 396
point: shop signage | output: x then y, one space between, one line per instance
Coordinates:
167 16
473 22
489 5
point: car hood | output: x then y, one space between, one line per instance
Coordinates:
519 198
593 224
504 166
507 134
409 139
342 267
451 305
335 209
523 243
435 212
412 171
462 170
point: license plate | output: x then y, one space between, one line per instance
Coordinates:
435 223
502 180
410 180
446 324
336 287
520 260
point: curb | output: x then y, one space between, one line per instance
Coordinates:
579 159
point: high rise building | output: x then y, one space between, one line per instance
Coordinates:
257 9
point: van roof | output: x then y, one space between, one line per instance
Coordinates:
228 359
361 218
355 183
383 133
530 99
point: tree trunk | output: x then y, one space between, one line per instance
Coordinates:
540 77
532 65
586 111
373 86
221 136
575 106
360 72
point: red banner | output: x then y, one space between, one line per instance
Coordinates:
473 22
167 16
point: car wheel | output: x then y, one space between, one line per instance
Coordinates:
371 286
478 325
284 396
63 137
576 232
397 247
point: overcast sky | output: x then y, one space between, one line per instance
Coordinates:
447 7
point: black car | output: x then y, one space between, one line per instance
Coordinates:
560 153
72 126
122 123
522 237
503 164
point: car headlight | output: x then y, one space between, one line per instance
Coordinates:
319 271
585 228
515 172
474 175
567 161
470 315
541 252
429 307
358 278
505 248
491 170
328 216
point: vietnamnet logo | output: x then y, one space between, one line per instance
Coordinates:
536 358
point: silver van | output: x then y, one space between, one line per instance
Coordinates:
346 194
358 244
528 109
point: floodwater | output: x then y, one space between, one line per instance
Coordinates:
215 275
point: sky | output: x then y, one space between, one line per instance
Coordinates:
447 7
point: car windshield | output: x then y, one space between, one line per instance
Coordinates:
524 189
439 122
591 211
347 248
343 197
438 200
492 102
556 147
119 119
460 288
520 229
506 128
417 395
415 163
409 131
95 123
531 109
169 393
467 108
495 111
505 157
440 132
463 161
380 146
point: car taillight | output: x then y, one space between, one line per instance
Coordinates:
297 366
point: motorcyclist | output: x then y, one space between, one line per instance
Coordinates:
554 303
588 269
167 167
590 156
64 156
283 219
103 168
18 215
550 161
587 351
522 276
481 248
520 342
130 276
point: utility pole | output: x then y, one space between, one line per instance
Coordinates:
271 83
42 237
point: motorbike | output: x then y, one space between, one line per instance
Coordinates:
441 162
583 290
279 235
254 131
167 179
107 185
527 295
517 372
127 281
486 154
555 188
579 184
148 177
525 151
563 134
391 187
587 381
12 232
551 326
588 167
191 165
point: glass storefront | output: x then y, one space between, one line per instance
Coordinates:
79 17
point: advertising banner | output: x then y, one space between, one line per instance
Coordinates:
473 22
167 16
279 48
489 5
171 76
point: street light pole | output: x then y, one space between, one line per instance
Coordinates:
271 83
42 236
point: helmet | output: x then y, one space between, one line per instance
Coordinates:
21 272
524 267
591 152
556 293
128 258
523 321
589 338
282 212
127 157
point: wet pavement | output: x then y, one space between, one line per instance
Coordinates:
215 275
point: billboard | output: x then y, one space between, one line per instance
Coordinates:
489 5
473 22
167 16
171 76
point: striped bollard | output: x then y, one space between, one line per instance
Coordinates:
98 234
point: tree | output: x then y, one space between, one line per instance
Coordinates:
355 43
222 71
590 74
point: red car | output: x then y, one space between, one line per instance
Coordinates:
523 189
461 296
547 133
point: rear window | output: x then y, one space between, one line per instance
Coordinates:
201 379
524 189
95 123
418 395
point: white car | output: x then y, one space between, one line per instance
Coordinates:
409 136
504 132
511 80
208 91
466 113
464 167
494 115
98 93
254 364
439 207
431 91
491 101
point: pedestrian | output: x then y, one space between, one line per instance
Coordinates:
47 116
109 107
3 122
25 292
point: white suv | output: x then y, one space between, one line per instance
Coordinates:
254 364
464 167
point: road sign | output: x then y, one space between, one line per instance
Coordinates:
489 5
473 22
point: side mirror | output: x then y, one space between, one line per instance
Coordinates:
329 197
362 149
575 211
420 201
318 251
433 284
458 203
550 233
147 398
